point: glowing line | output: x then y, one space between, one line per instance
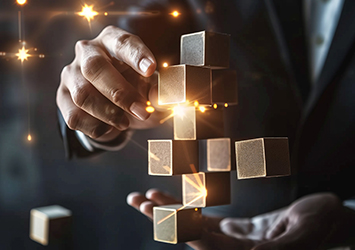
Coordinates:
169 215
198 180
199 188
193 169
166 168
19 26
166 118
154 156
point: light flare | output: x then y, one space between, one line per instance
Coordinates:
22 54
88 12
21 2
175 13
215 106
226 105
29 137
202 109
165 64
196 104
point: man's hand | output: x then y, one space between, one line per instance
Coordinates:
308 223
105 89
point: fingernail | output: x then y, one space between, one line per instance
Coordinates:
144 64
138 109
109 131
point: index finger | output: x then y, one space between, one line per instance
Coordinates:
128 48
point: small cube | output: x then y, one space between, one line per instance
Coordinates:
49 224
215 155
172 157
181 83
262 157
206 189
207 49
224 87
176 223
192 124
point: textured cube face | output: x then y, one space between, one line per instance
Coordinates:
194 190
49 223
172 157
181 83
160 157
206 189
176 223
263 157
185 123
215 155
208 49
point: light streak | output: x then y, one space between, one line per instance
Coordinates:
182 207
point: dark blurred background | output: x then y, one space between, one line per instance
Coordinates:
36 173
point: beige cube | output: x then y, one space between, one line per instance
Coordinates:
262 157
207 49
206 189
172 157
50 224
176 223
181 83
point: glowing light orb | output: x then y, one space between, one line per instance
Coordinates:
150 109
226 105
196 103
165 65
29 137
202 109
215 106
88 12
21 2
175 13
22 54
105 13
196 209
149 103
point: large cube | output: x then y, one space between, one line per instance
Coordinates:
224 87
176 223
206 189
192 124
181 83
208 49
262 157
49 224
172 157
215 155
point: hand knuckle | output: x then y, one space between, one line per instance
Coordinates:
92 67
73 120
119 95
79 45
81 96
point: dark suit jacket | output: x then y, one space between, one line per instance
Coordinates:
275 96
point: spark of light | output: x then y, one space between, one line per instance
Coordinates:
21 2
215 106
29 137
202 109
165 64
150 109
226 105
88 12
22 54
196 104
149 103
175 13
179 111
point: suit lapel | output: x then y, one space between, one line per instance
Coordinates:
342 41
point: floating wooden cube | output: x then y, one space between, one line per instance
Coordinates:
262 157
206 189
172 157
192 124
176 223
205 48
181 83
224 87
215 155
50 224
